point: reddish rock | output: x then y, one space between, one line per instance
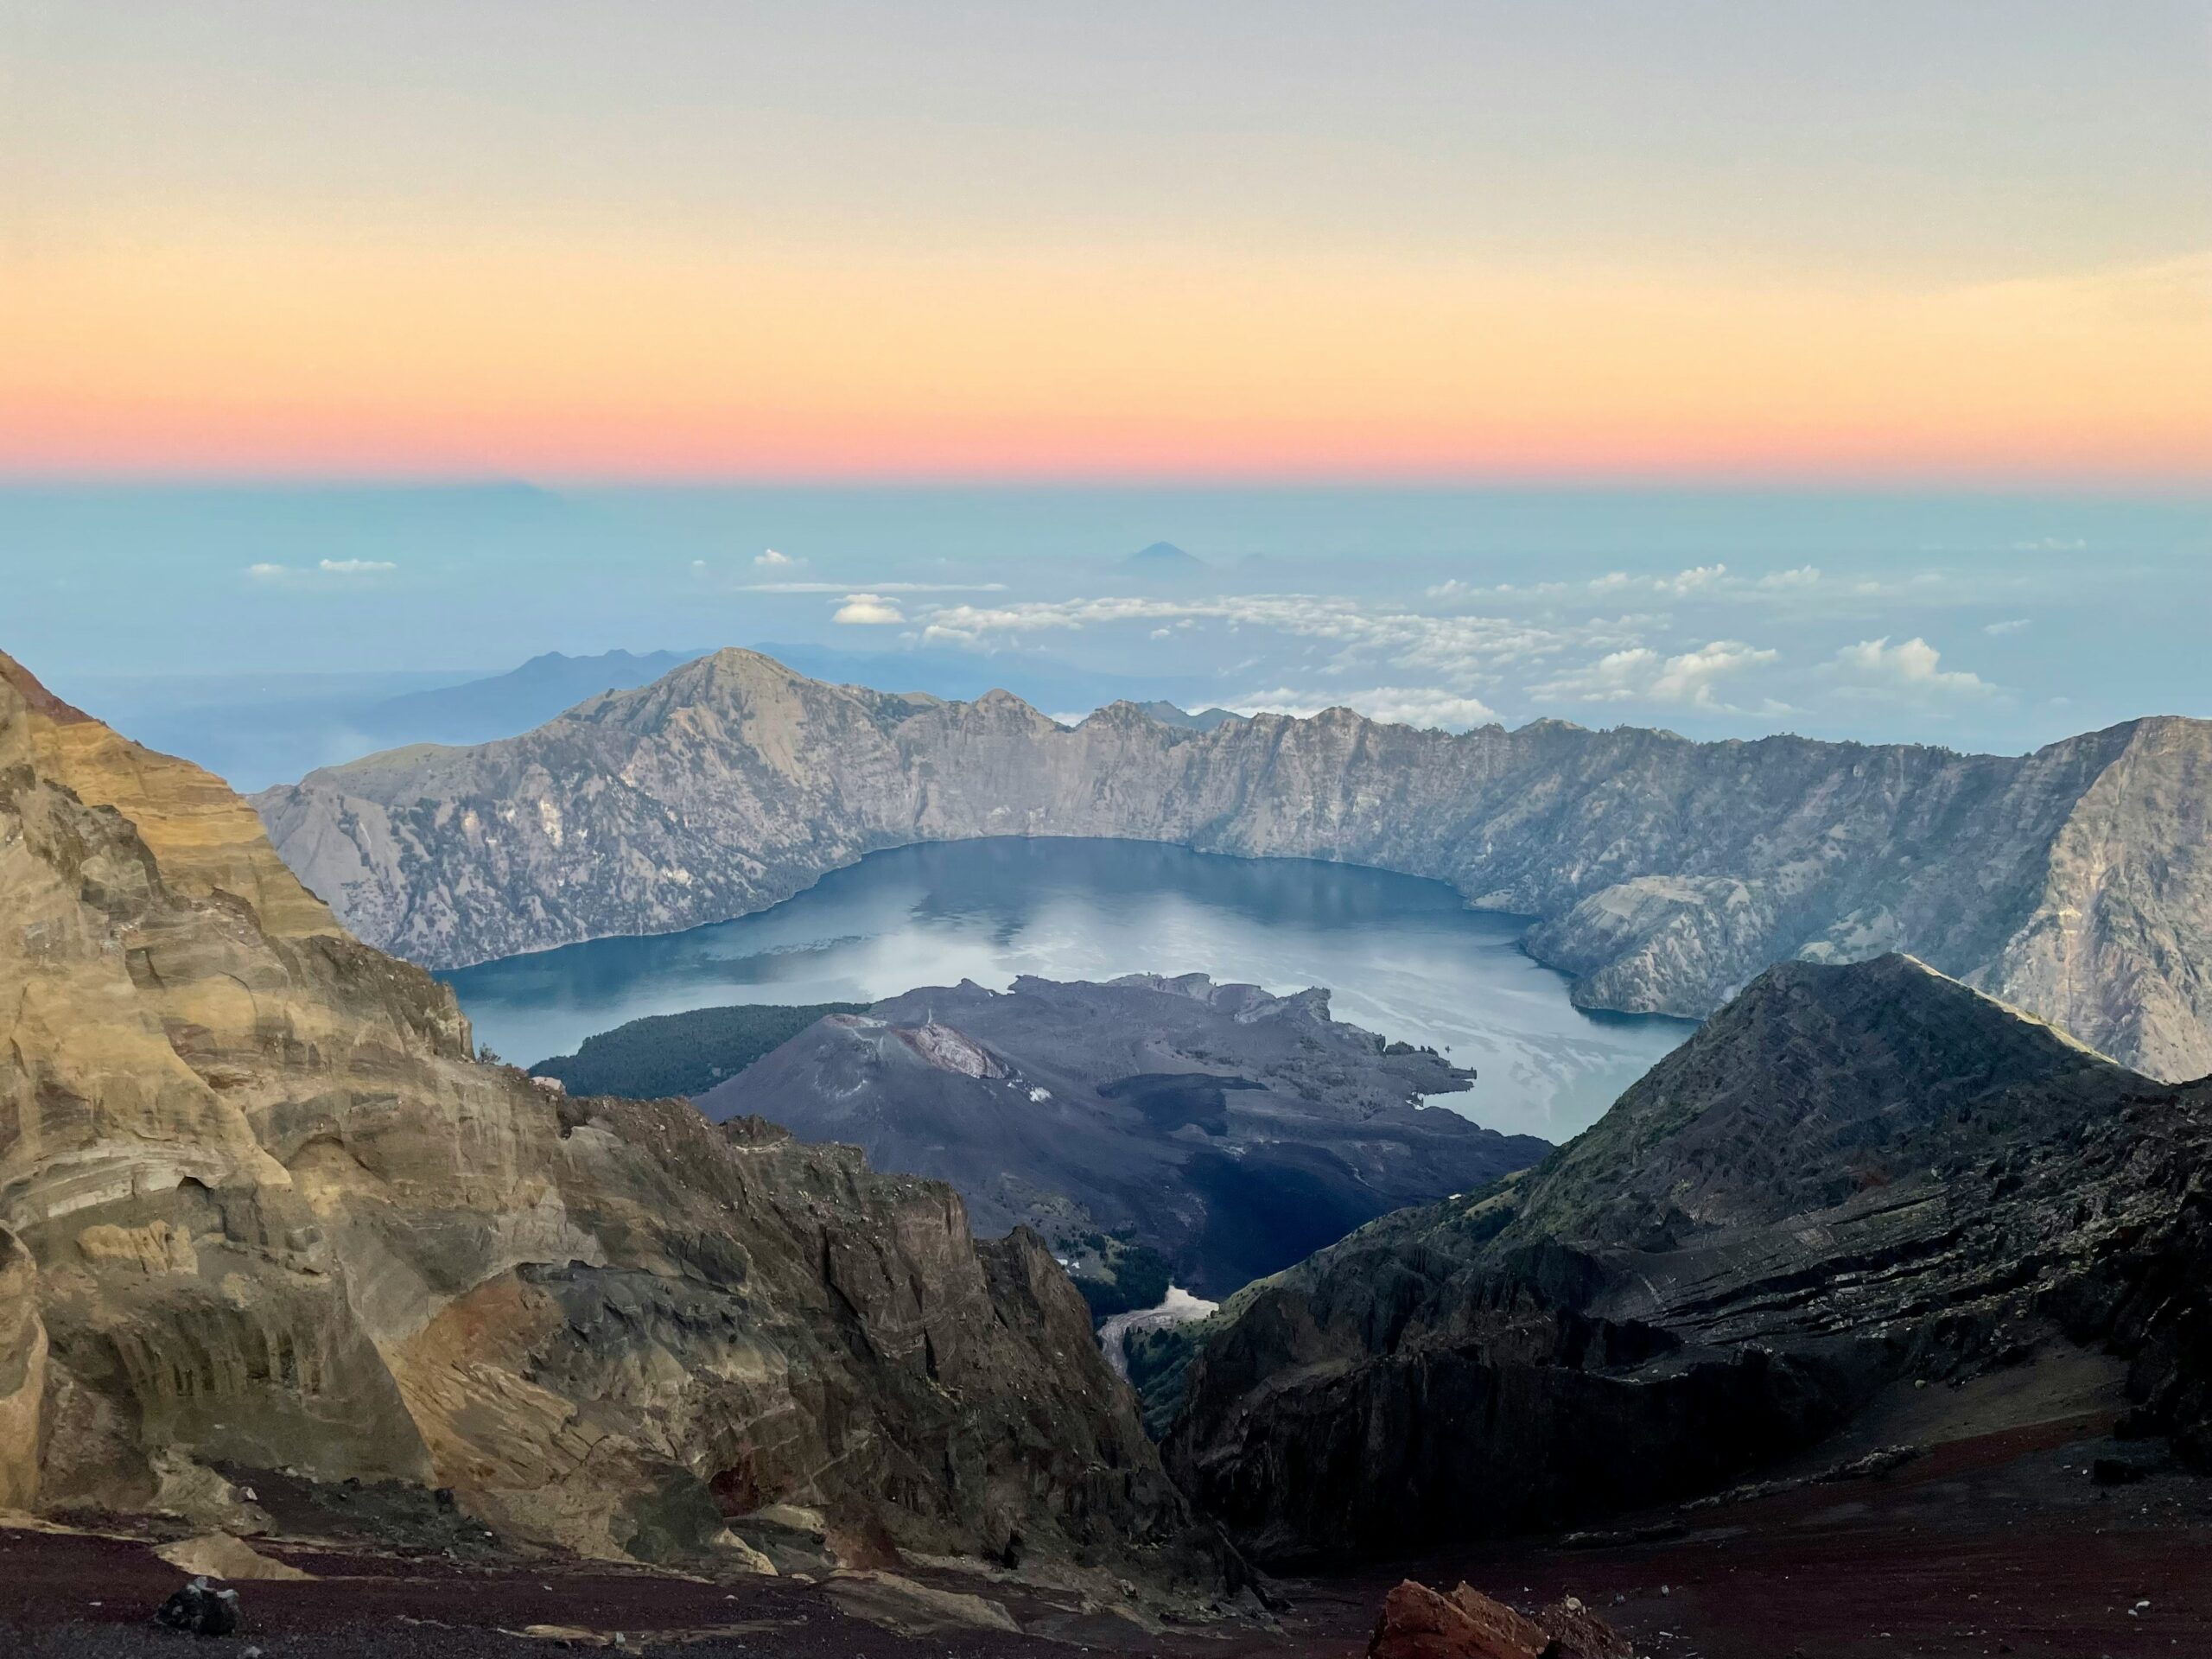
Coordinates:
1577 1633
1419 1623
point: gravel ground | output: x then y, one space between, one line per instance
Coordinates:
2002 1544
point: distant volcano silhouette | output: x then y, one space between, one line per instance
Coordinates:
1163 559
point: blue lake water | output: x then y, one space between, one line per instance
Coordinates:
1402 956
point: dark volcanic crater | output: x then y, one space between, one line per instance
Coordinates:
1231 1131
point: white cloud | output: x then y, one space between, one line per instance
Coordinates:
769 559
880 588
2012 625
1799 591
1694 581
1689 679
287 573
1911 671
1392 704
1459 650
1713 579
1805 576
868 609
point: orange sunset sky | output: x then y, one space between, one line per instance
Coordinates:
674 240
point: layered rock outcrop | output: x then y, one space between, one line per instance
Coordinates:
260 1208
2075 882
1853 1178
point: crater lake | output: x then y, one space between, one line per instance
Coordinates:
1400 955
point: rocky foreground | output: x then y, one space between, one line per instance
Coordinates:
2075 883
264 1218
1231 1131
2005 1542
1854 1184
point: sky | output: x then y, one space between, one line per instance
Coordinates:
1730 365
1716 242
1973 621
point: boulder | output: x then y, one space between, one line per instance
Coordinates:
1577 1633
1419 1623
200 1610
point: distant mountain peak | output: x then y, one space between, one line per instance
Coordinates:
1200 720
1164 556
738 659
503 705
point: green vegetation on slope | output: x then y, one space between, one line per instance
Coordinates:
670 1054
1135 1276
1160 1368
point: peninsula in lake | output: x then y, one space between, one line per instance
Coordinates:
1226 1130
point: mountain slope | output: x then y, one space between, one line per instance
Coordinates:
514 702
259 1207
1229 1130
1853 1178
2076 882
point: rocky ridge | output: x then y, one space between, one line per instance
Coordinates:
260 1208
2075 882
1853 1180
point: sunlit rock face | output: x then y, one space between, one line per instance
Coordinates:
2075 882
260 1208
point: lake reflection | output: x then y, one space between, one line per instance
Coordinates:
1403 955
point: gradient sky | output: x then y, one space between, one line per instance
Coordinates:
1729 239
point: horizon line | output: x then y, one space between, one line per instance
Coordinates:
2098 485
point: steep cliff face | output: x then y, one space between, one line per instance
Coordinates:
2076 882
259 1207
1853 1176
2119 944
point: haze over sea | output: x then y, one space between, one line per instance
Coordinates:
1997 621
